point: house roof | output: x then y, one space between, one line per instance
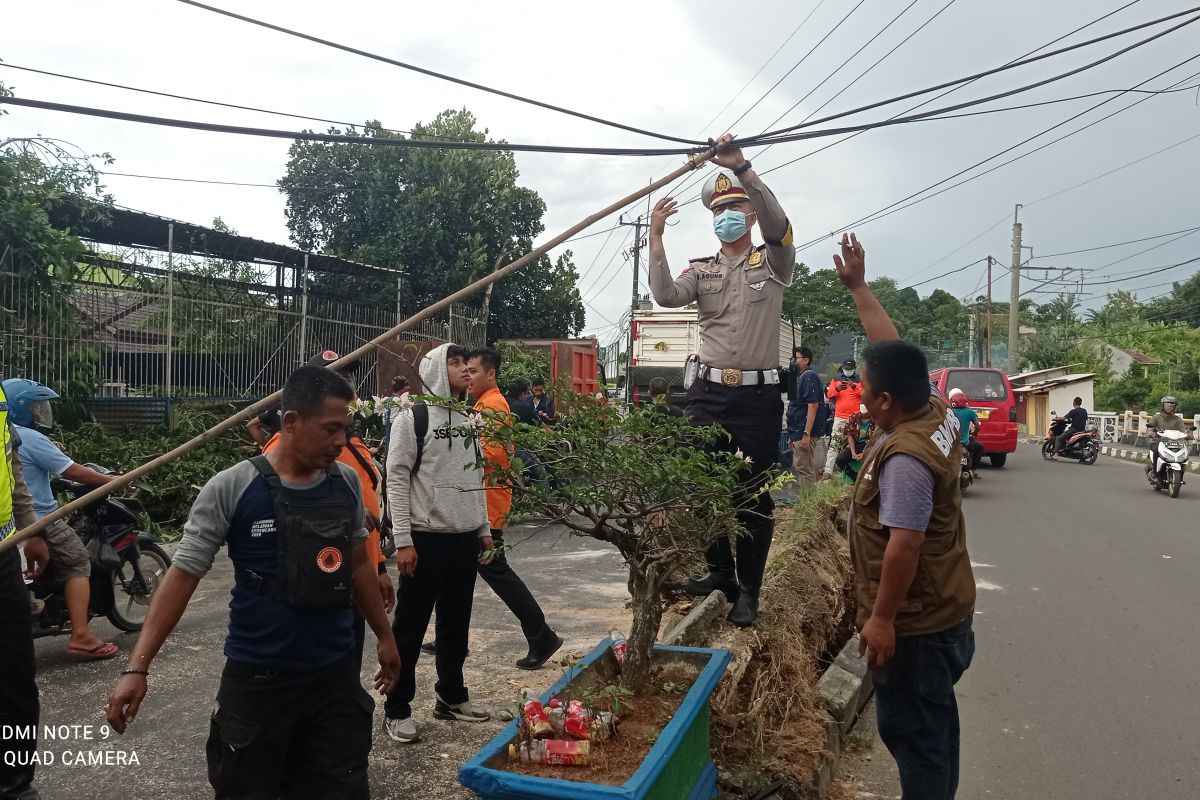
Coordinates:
1140 357
1049 383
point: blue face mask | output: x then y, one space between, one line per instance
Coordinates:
730 226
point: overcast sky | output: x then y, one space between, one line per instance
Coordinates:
670 67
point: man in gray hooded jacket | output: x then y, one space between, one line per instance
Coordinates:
439 518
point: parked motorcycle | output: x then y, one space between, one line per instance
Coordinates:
1083 447
1172 451
127 564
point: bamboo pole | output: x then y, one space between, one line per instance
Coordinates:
693 163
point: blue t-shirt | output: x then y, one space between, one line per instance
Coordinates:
966 416
41 458
808 390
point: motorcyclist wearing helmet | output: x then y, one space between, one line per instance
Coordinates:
32 416
1164 420
968 425
1077 419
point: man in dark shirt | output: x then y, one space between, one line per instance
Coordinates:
660 399
292 719
543 404
519 402
1077 419
803 414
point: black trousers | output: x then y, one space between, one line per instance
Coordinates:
291 735
445 577
513 592
917 712
18 691
751 415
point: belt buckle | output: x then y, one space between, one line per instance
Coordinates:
731 377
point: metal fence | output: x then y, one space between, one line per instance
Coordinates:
124 329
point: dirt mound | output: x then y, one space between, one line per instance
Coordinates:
767 723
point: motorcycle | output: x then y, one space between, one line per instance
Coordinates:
1083 447
965 476
127 565
1172 451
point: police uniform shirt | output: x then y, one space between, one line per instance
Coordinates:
741 299
235 508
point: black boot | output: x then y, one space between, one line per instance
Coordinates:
745 610
540 652
715 581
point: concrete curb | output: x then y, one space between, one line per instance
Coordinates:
694 628
1139 456
843 691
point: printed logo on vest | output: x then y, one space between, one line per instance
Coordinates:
329 559
262 526
947 433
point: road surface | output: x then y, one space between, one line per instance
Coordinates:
1084 683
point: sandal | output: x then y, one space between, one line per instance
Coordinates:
98 653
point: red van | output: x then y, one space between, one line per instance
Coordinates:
989 393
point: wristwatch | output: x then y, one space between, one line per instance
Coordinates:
738 171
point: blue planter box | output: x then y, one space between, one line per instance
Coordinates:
678 766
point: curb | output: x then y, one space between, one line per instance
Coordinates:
1139 456
693 629
843 691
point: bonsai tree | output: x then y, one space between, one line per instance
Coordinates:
653 486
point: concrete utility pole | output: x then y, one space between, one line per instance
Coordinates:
987 359
633 304
1014 300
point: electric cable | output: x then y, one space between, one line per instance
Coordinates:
1116 244
438 75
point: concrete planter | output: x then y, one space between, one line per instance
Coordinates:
678 767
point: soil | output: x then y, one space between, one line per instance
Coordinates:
613 761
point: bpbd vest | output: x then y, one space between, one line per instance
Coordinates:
314 568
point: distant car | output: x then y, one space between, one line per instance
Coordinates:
990 394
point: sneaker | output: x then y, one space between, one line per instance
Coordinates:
401 730
462 712
429 647
538 656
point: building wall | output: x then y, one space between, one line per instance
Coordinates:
1061 396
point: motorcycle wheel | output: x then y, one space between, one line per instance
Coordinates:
1089 457
1176 482
964 481
135 583
1047 450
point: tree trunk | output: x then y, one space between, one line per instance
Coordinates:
647 615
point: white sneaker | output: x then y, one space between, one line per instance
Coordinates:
401 730
461 712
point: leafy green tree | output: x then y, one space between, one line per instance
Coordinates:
819 303
442 218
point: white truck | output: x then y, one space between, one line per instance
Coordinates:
663 339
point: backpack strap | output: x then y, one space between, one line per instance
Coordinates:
420 430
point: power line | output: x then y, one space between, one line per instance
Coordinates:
198 99
1116 244
434 74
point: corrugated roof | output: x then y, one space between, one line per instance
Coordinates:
1052 382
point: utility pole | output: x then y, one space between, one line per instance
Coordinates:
987 359
633 304
1014 299
972 324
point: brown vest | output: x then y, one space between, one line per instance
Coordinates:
943 590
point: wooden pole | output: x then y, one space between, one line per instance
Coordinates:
693 163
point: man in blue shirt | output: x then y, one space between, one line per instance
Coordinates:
803 415
31 416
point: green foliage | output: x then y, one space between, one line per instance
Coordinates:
443 217
167 493
610 697
527 363
1127 393
819 303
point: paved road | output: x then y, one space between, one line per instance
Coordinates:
1085 682
580 583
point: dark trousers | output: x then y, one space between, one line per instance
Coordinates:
288 734
1060 443
513 592
750 414
18 691
445 577
917 712
976 451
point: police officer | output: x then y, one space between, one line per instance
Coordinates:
739 291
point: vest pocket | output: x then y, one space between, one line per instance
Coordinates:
913 602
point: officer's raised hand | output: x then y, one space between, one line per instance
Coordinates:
665 208
730 158
852 265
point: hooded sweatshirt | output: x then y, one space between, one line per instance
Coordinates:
446 495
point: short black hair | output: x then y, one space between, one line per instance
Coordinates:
804 351
539 381
518 387
898 368
658 386
309 387
457 351
1078 401
488 357
399 383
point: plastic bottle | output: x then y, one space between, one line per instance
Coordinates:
619 645
537 721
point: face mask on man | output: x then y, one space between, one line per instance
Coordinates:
847 372
730 225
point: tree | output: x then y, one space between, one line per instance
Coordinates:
441 217
819 304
